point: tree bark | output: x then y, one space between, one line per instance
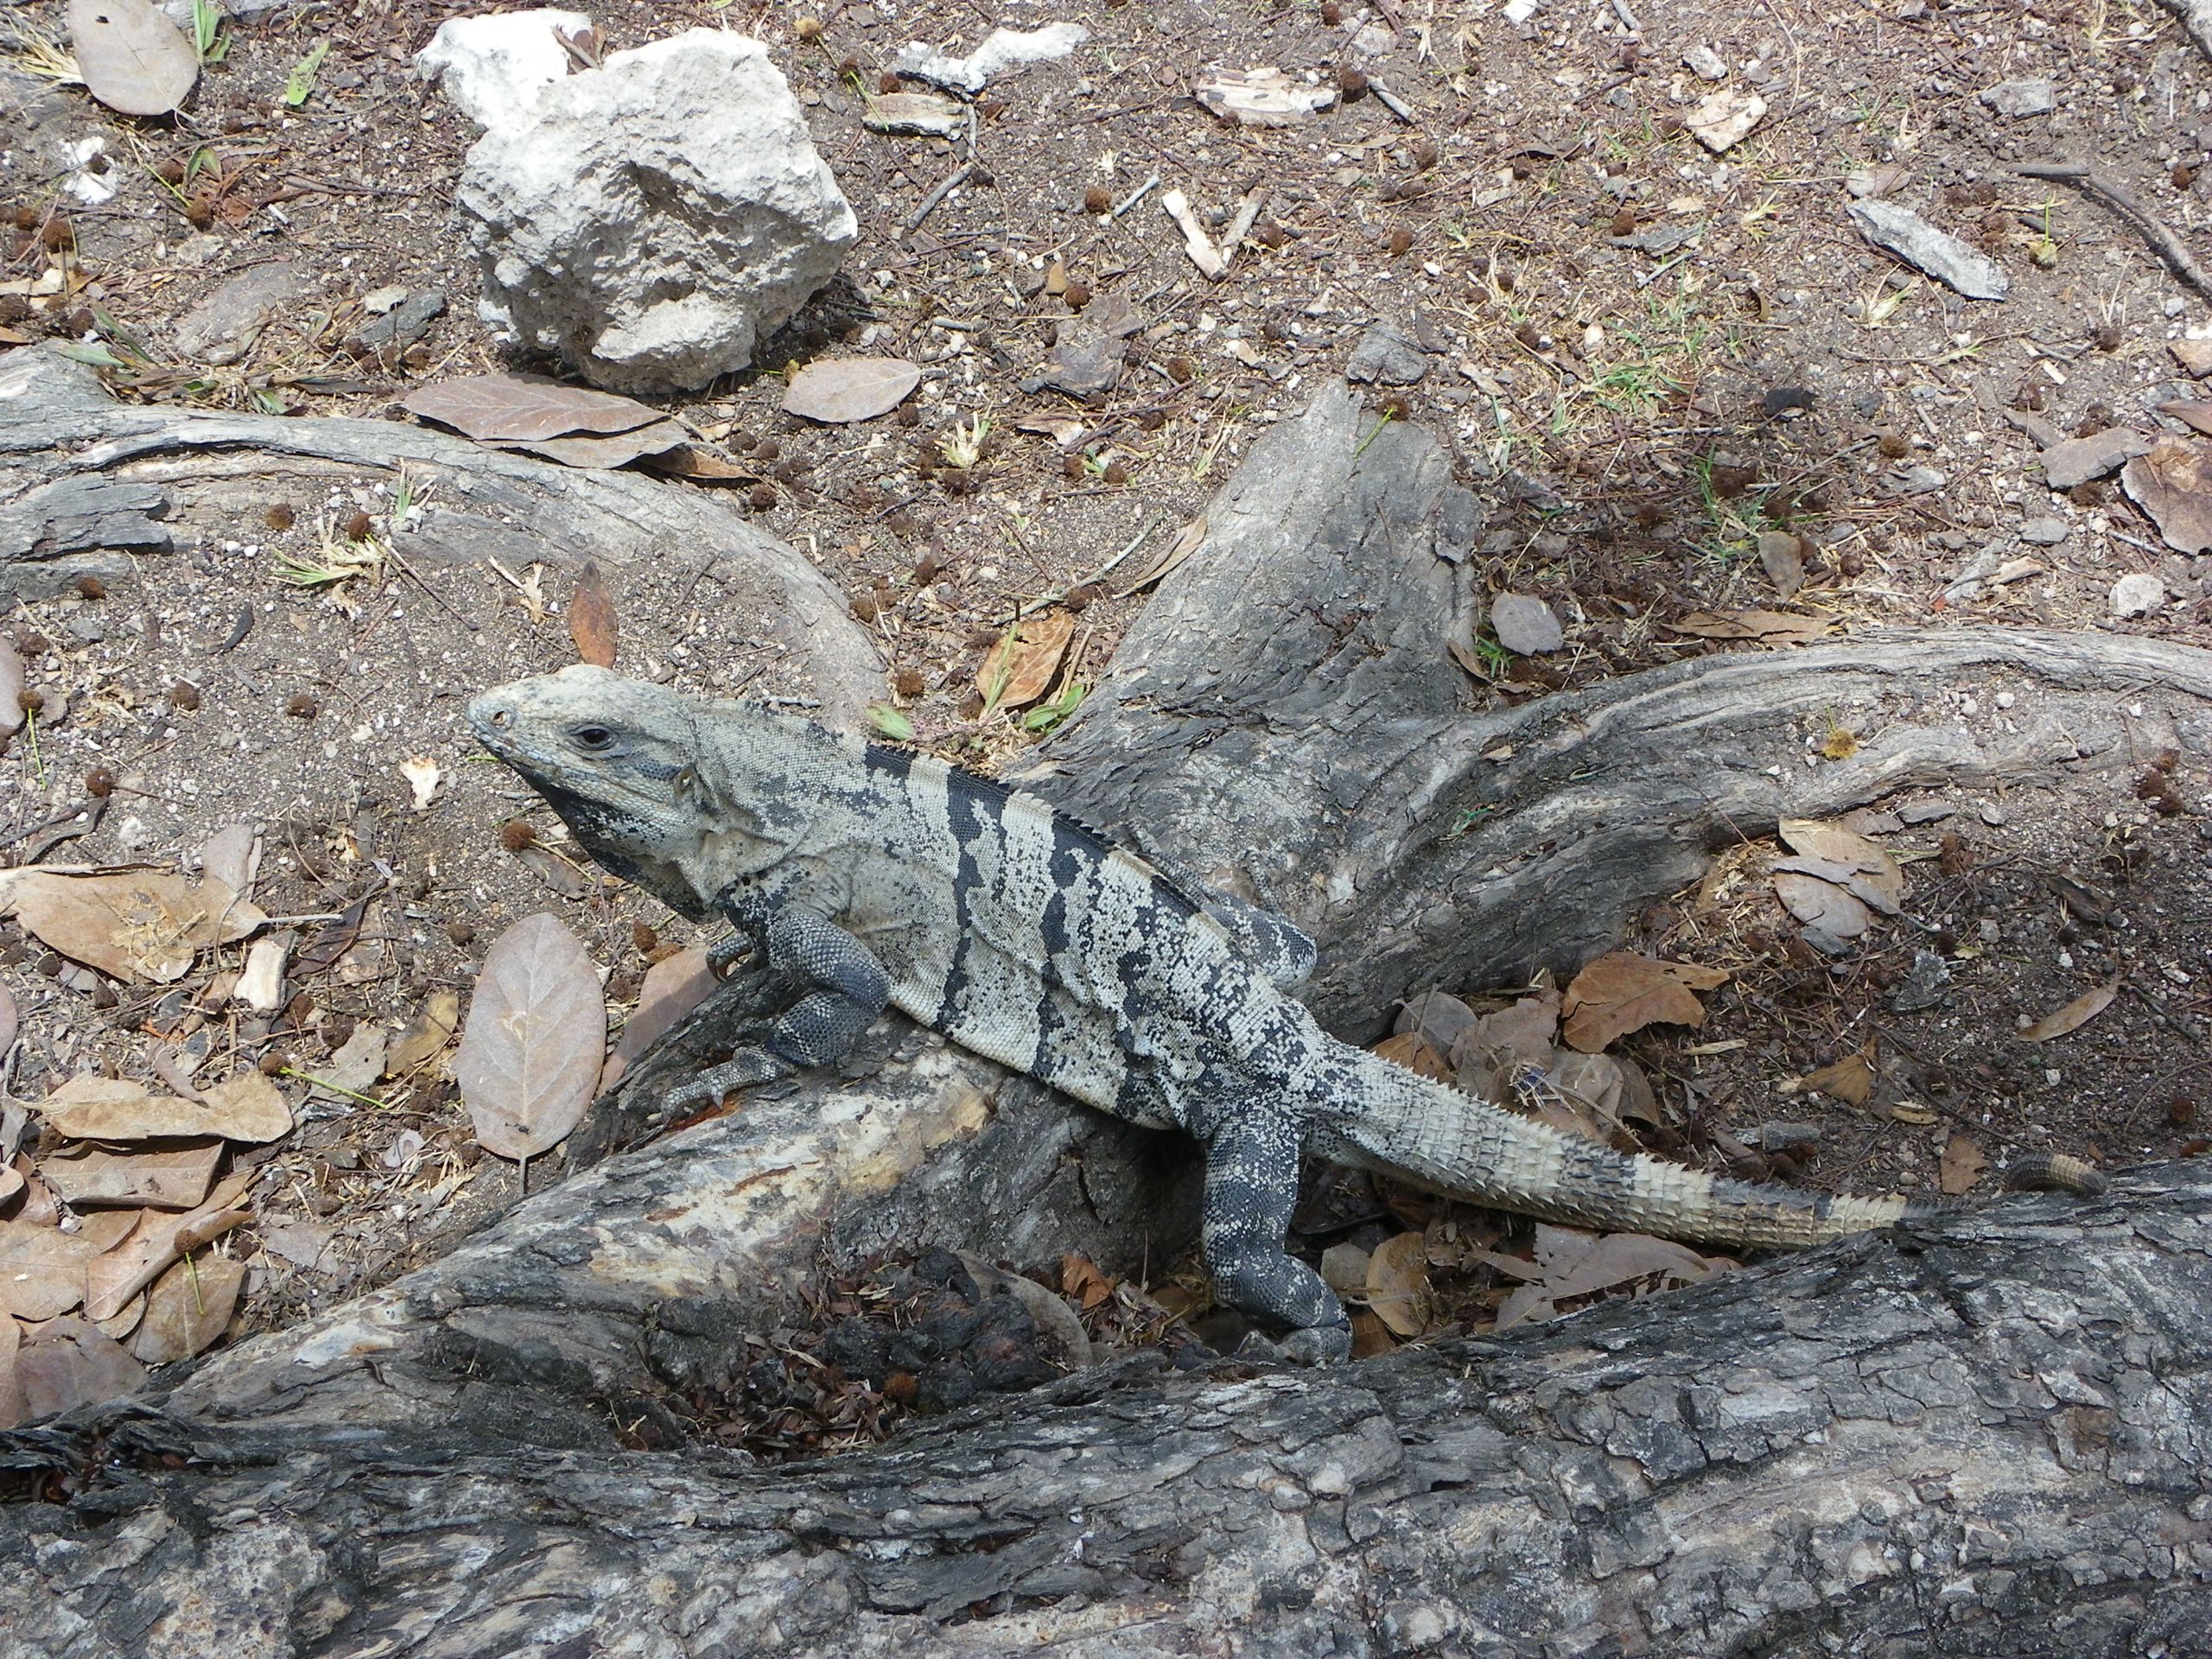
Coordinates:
1987 1435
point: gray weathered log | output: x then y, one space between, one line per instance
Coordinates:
88 480
1989 1436
1286 711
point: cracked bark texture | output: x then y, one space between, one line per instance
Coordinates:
1985 1436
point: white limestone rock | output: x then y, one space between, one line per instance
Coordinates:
651 220
493 68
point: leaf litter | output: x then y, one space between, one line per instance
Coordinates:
530 1052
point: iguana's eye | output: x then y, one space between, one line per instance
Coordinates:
593 737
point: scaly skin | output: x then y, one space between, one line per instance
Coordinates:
882 878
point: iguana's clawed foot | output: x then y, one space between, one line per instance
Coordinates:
727 952
1316 1344
740 1070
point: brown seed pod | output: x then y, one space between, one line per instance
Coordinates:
1096 199
517 835
908 683
184 695
302 705
357 526
99 783
279 517
760 497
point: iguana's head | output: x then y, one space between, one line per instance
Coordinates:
673 792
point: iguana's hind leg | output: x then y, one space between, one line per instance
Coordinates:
821 1026
1251 1188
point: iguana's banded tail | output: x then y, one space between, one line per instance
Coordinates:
1404 1124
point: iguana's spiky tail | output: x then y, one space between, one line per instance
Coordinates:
1388 1118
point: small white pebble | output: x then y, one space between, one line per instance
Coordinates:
2005 699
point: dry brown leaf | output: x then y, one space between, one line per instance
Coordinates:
2173 485
524 408
2075 1014
1621 992
69 1363
673 986
1371 1338
135 926
1021 666
592 622
1823 905
243 1107
839 390
1773 627
133 59
530 1056
354 1069
41 1268
1437 1018
1618 1258
1961 1163
1408 1049
174 1179
10 1023
602 452
1523 1034
1397 1284
1081 1279
1873 875
428 1031
1344 1268
188 1308
114 1277
701 465
1849 1080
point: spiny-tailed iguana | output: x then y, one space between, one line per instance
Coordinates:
879 876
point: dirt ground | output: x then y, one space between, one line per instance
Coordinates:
1642 354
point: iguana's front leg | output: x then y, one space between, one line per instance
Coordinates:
821 1026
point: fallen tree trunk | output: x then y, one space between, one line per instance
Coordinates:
1970 1435
1990 1437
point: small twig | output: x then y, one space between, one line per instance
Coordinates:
1134 197
1389 100
931 202
1232 237
1196 243
2090 182
1627 18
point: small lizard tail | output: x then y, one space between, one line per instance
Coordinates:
1388 1118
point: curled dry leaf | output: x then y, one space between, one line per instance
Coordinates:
113 1278
245 1107
530 1056
133 59
591 621
176 1178
2075 1014
70 1363
1021 666
1082 1282
430 1030
41 1268
1574 1263
1961 1163
673 986
1771 627
1621 992
524 408
1437 1018
603 451
1868 871
1408 1049
137 925
1397 1284
2173 485
1822 903
1849 1080
839 390
188 1308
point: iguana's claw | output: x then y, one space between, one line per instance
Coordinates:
742 1069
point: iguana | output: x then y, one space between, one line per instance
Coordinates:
878 876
